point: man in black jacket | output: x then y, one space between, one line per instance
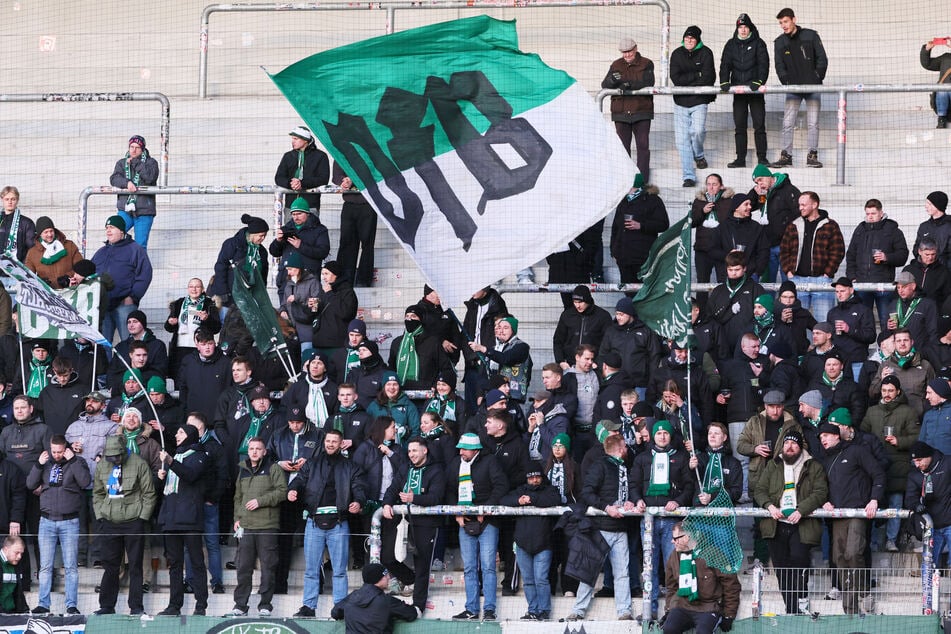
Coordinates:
368 610
331 486
691 65
302 234
479 325
302 167
929 491
731 303
217 482
745 62
583 322
203 375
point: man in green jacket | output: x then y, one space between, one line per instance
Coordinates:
123 498
792 486
258 494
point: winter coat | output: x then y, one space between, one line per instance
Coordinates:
432 359
53 273
211 323
336 308
854 343
402 410
670 369
22 443
913 377
921 322
432 490
348 479
264 483
511 453
637 74
26 234
854 476
489 483
732 313
608 404
576 328
800 328
630 247
935 428
933 281
704 236
157 360
92 432
64 500
368 457
314 243
234 250
744 62
748 389
812 491
800 57
936 229
298 311
201 381
514 361
484 312
898 414
828 246
587 548
138 494
937 503
13 494
846 393
692 68
60 405
753 434
732 473
280 446
316 172
218 476
533 534
147 169
369 610
177 512
781 206
740 234
128 264
717 591
298 394
639 347
682 478
884 236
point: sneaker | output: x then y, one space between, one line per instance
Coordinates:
569 594
942 123
812 159
803 605
574 616
509 592
890 546
701 163
466 615
867 604
438 565
40 610
762 161
187 588
146 587
73 611
689 182
218 589
137 613
756 562
170 611
528 616
200 612
543 616
230 565
737 163
102 611
604 593
625 617
488 615
264 612
833 594
305 611
238 612
785 160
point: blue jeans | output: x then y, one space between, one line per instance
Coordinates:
690 129
663 545
940 539
881 300
534 569
941 102
622 582
212 545
115 321
479 552
66 533
337 542
140 226
818 303
773 268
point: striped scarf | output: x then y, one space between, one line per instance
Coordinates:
171 478
688 577
407 359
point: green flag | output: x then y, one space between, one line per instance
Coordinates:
471 150
251 298
663 303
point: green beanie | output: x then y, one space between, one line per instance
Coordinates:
761 170
639 180
662 424
513 323
136 373
300 204
156 385
766 301
562 439
840 416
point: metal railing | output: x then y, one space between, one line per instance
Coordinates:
842 90
88 97
880 287
392 7
929 580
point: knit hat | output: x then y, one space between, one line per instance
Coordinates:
940 387
43 223
357 325
840 416
294 260
494 396
496 381
372 573
512 322
562 439
626 44
40 343
370 345
938 199
761 170
625 305
255 224
766 301
781 349
302 132
612 359
333 267
300 204
788 285
117 222
296 414
662 424
693 31
191 435
825 327
137 139
533 469
794 436
737 200
744 20
834 353
387 376
258 391
892 380
642 410
582 293
156 385
828 428
812 398
132 374
427 289
447 377
469 441
132 411
84 268
921 449
774 397
140 317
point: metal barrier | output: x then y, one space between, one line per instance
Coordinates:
392 7
929 577
841 110
704 287
75 97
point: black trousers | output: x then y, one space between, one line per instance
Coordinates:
679 620
756 106
256 545
791 560
424 538
127 537
292 524
640 132
175 543
357 235
510 580
388 552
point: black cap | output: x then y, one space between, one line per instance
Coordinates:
612 359
842 281
372 573
828 428
921 450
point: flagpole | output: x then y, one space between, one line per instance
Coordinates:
693 449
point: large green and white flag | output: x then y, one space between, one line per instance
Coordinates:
663 302
480 158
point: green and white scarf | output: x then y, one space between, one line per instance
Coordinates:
299 172
414 480
466 490
171 478
622 490
407 360
53 252
556 475
38 378
445 406
131 440
904 314
11 247
827 381
252 261
903 361
687 586
352 362
713 474
257 420
135 178
660 473
316 410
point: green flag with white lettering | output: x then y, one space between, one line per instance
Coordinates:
663 302
481 158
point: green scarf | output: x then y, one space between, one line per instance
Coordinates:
445 406
299 172
660 473
131 438
38 378
407 360
903 361
7 585
191 304
53 252
688 577
11 248
252 261
127 400
254 428
414 480
435 432
135 178
739 285
713 474
353 361
171 478
905 314
827 381
761 323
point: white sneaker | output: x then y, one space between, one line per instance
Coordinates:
867 604
804 605
833 594
236 612
891 546
438 565
569 594
264 612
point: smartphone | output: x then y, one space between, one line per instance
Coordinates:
940 41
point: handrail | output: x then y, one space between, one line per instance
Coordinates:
703 287
392 7
928 598
842 90
108 96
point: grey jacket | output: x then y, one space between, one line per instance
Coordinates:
60 499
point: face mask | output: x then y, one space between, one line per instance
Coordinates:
410 325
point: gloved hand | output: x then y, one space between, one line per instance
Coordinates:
726 624
921 508
616 76
661 621
725 87
754 87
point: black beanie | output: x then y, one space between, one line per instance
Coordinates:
255 224
693 31
939 200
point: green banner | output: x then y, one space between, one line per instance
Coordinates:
251 298
663 303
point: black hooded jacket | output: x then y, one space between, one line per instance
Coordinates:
744 62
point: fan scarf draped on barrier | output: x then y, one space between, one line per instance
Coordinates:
469 149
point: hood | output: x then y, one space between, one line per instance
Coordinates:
114 446
364 596
754 32
701 194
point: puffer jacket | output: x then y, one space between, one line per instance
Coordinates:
634 76
744 62
693 68
800 57
129 267
781 206
576 328
369 610
885 236
705 236
63 500
51 273
179 503
938 502
587 548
